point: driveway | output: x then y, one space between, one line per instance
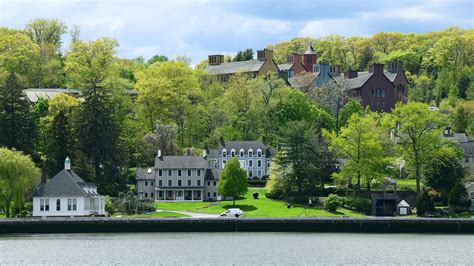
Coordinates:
194 214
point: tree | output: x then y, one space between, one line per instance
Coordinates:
351 107
90 67
461 120
418 130
157 58
361 144
18 177
57 132
444 170
462 86
459 200
244 55
16 119
233 180
424 203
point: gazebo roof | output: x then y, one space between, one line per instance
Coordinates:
403 203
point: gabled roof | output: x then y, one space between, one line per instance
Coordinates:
213 174
33 94
65 183
243 144
181 162
294 80
309 50
252 65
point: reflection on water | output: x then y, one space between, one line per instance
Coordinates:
237 248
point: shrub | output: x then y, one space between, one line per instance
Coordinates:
424 204
109 206
332 203
129 203
255 195
357 204
459 199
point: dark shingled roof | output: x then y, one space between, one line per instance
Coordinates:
213 174
468 148
65 183
143 173
181 162
309 50
243 144
252 65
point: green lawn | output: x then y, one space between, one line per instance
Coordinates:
163 214
2 215
261 207
402 184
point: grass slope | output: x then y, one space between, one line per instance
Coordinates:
261 207
163 214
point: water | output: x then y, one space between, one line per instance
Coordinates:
237 249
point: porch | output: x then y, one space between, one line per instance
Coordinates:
180 195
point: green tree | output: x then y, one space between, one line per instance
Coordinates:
463 84
418 130
444 170
244 55
233 180
16 118
459 200
361 144
18 178
461 120
157 58
424 203
351 107
90 67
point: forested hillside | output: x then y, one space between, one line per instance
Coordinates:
106 132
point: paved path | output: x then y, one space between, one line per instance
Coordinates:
193 214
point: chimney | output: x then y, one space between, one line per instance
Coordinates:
335 70
395 66
350 74
221 140
296 59
324 71
204 153
188 152
264 140
447 132
216 59
264 55
159 154
377 69
67 163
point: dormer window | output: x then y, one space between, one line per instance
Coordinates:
224 153
250 153
241 153
232 153
259 153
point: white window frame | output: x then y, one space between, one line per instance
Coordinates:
241 153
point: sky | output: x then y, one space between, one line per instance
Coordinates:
197 28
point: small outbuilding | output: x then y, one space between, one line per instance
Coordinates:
385 204
66 194
403 208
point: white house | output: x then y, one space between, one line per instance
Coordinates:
66 194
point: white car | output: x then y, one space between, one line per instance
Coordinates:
234 212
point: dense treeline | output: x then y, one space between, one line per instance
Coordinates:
107 131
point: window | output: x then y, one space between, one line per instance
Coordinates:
382 92
250 163
179 172
179 183
214 183
152 183
250 153
41 204
74 204
160 183
250 173
259 173
223 163
146 195
216 164
160 172
215 194
224 153
146 183
232 153
259 153
241 153
466 159
189 183
198 182
199 172
208 183
170 183
315 68
208 194
69 204
170 172
152 195
189 172
259 163
58 205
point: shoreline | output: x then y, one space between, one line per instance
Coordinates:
323 224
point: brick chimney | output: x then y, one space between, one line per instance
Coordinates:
216 59
221 140
395 66
377 69
264 55
350 74
296 59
